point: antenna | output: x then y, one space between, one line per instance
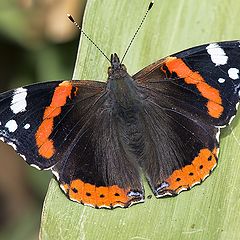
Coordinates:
78 26
139 27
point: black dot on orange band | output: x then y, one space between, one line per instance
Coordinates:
88 194
117 194
210 158
190 174
178 179
201 166
74 190
101 196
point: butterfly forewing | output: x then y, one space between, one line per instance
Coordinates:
21 114
204 79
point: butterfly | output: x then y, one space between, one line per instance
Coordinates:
98 138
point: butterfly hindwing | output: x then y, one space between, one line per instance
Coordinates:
189 96
177 157
97 169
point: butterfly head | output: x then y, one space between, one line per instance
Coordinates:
117 69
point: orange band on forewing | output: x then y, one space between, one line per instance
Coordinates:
209 92
47 149
89 194
52 112
191 174
214 103
61 93
45 145
214 109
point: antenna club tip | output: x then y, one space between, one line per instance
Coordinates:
70 17
150 5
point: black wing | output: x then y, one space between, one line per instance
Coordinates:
188 97
66 127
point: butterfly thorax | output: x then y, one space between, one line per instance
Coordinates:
121 85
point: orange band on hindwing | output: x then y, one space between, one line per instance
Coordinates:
214 104
89 194
45 145
188 176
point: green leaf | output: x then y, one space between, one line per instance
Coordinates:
208 211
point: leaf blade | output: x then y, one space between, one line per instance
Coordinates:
205 212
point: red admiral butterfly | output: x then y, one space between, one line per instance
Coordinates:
98 137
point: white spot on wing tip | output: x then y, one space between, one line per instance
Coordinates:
218 55
11 125
19 102
27 126
221 80
233 73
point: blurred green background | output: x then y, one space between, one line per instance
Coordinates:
37 43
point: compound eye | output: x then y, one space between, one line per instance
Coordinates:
124 67
109 70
